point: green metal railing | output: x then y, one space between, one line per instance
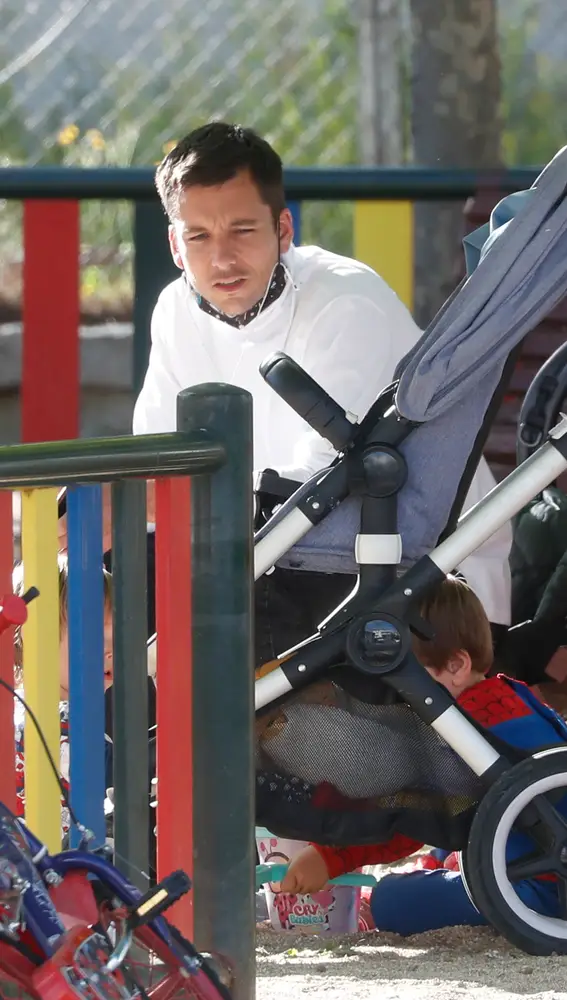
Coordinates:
301 183
214 445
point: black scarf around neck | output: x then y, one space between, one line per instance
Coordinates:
275 289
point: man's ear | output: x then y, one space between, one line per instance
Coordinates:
174 247
285 230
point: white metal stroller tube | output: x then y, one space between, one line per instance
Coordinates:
279 540
465 740
270 687
505 500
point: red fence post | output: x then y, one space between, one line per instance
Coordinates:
51 315
49 382
174 688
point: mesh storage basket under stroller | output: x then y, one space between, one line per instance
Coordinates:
334 768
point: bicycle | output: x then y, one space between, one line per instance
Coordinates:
72 926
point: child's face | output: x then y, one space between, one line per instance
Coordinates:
64 656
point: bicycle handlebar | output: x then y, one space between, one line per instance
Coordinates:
14 609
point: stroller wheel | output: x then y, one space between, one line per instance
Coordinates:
534 792
464 870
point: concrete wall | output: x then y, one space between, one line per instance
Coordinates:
107 399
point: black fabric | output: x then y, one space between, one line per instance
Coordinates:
108 726
527 649
277 284
538 564
290 604
538 558
302 820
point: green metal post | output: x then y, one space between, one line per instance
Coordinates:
130 686
223 701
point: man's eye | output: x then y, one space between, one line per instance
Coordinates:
243 230
197 238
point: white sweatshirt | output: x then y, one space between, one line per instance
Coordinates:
342 323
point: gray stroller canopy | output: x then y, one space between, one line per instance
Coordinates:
519 274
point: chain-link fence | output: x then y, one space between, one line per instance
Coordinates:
141 73
94 82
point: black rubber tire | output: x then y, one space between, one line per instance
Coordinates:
479 868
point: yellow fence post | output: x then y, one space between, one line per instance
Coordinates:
383 239
41 664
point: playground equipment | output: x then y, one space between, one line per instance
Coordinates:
204 538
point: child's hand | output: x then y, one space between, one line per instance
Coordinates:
307 873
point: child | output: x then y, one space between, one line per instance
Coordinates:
459 657
19 711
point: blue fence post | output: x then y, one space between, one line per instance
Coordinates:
86 659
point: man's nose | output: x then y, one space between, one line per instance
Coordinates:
222 252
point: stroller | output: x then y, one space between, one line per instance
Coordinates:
351 710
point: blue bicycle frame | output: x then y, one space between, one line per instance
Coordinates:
77 860
38 911
22 852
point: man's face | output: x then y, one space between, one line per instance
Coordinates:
224 238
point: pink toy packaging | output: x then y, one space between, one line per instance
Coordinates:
333 910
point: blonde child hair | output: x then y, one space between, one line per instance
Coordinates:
63 571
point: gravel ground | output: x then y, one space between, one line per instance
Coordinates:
463 962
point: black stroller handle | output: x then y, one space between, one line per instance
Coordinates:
542 404
308 399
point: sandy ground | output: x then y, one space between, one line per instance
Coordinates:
459 963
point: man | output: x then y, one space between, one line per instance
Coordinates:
245 291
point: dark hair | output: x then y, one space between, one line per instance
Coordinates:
214 154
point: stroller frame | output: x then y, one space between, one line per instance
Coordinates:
371 629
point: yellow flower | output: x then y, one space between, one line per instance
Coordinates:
96 138
67 135
168 146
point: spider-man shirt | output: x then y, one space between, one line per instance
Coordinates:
513 713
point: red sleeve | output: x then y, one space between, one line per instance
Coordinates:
340 860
